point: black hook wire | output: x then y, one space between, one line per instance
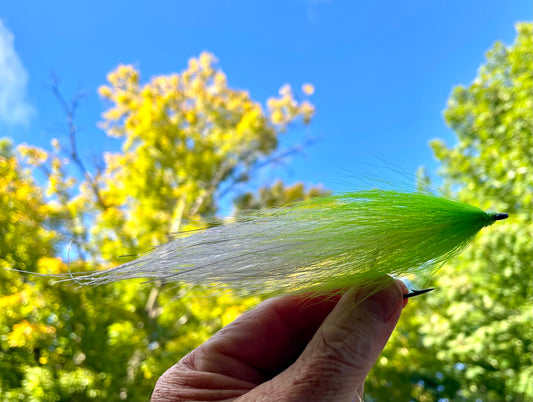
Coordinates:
414 293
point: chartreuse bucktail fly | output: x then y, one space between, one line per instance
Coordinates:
318 246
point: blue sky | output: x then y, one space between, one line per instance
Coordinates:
382 70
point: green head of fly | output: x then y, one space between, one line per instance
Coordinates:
317 246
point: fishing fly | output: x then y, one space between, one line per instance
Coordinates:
318 246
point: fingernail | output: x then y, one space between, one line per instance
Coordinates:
383 303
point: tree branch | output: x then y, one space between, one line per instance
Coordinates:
272 159
70 112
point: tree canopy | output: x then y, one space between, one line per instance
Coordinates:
471 340
187 139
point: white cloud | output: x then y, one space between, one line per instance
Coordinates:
14 108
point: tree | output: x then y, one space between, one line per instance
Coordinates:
471 340
24 211
188 139
276 195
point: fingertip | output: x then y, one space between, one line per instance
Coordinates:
349 341
384 304
405 290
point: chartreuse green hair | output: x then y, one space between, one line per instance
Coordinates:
318 246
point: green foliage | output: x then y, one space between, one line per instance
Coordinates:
184 137
471 340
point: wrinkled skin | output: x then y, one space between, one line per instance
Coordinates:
289 349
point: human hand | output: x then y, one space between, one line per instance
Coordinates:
289 349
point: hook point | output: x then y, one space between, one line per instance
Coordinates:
414 293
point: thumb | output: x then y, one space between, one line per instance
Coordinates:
335 363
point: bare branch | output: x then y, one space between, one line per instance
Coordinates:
268 161
222 171
70 112
226 169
